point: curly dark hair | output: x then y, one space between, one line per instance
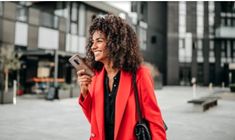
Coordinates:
122 43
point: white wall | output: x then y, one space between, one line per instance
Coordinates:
48 38
21 34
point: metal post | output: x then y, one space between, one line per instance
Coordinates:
56 68
14 91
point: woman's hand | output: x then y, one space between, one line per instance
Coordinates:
83 80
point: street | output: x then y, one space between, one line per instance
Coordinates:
35 118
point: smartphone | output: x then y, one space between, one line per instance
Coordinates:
79 63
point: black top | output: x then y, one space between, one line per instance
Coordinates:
109 105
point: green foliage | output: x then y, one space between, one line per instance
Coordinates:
9 59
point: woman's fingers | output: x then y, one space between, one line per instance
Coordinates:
83 79
81 72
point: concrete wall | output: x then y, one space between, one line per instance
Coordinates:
206 46
156 35
172 43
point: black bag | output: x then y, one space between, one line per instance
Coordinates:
142 130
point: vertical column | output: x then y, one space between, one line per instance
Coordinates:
33 28
81 20
206 45
56 68
172 43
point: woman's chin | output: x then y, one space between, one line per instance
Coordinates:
97 59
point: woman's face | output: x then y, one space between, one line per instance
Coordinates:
99 47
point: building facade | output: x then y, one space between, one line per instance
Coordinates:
190 39
47 34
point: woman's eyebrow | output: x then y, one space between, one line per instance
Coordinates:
99 38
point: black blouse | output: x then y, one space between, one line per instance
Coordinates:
109 105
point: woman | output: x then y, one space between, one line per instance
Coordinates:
107 99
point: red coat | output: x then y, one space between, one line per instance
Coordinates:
125 115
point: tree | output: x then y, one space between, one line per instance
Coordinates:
9 60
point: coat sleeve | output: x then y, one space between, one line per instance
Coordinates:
149 106
85 103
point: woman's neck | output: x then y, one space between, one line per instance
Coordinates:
111 72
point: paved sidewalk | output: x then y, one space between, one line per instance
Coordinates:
38 119
184 123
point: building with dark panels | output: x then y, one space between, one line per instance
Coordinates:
190 39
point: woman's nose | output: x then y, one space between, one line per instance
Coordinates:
93 47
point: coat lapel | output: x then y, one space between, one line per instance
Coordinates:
99 103
121 99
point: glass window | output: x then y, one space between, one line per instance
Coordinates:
142 8
199 44
48 20
211 45
182 32
222 54
222 45
182 19
73 28
182 51
1 8
181 44
222 21
200 18
211 52
211 6
211 30
234 45
229 22
61 10
56 22
133 6
228 49
233 22
182 7
199 51
143 38
211 19
74 14
21 13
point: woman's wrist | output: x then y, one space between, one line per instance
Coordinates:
84 93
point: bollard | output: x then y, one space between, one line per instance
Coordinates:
210 88
194 87
14 91
222 85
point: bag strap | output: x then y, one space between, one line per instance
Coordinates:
140 119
